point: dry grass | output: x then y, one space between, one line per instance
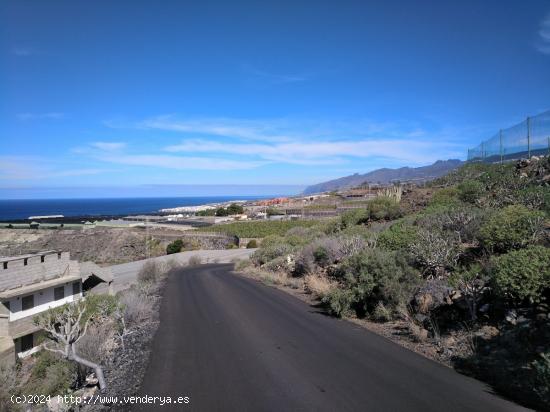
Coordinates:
318 285
195 260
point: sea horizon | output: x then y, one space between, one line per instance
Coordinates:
17 209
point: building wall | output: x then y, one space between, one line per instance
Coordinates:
18 274
43 300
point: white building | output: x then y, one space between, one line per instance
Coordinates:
33 283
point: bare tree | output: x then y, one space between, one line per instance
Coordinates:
65 326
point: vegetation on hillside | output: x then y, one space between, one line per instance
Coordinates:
468 271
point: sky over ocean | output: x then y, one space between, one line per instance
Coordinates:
131 93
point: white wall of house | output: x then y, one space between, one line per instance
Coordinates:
43 300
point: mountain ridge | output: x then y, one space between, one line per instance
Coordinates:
386 175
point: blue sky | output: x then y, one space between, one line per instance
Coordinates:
120 94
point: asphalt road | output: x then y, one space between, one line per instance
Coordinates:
125 274
233 344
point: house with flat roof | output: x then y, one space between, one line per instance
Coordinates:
33 283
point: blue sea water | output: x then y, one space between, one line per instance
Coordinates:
23 208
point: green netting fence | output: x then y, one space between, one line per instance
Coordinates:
528 138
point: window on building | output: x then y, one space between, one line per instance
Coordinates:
25 262
59 255
7 305
59 293
27 302
76 288
42 258
5 265
27 342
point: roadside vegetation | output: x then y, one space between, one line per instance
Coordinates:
100 342
461 267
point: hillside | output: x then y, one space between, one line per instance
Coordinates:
385 175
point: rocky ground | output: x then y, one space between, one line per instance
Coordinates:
105 246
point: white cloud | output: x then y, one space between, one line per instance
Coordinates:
35 116
321 152
544 36
239 128
181 162
108 146
37 168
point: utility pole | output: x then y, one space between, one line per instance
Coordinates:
501 153
528 138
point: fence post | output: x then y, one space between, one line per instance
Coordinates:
500 139
528 138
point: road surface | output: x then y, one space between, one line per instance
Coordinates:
232 344
126 273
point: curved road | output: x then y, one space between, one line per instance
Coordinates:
233 344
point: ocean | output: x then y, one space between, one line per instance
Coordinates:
23 208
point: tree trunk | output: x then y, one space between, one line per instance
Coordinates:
97 369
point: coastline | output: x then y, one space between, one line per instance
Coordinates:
11 210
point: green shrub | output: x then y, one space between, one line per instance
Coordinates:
445 196
174 247
534 197
354 217
381 313
513 227
541 368
252 244
235 209
522 274
470 191
338 301
373 276
383 208
50 375
399 236
269 252
321 256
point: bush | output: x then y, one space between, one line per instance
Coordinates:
149 273
270 251
338 301
511 228
381 313
354 217
252 244
522 274
445 196
470 191
435 252
235 209
50 375
399 236
383 208
541 368
222 212
174 247
195 260
318 286
374 276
